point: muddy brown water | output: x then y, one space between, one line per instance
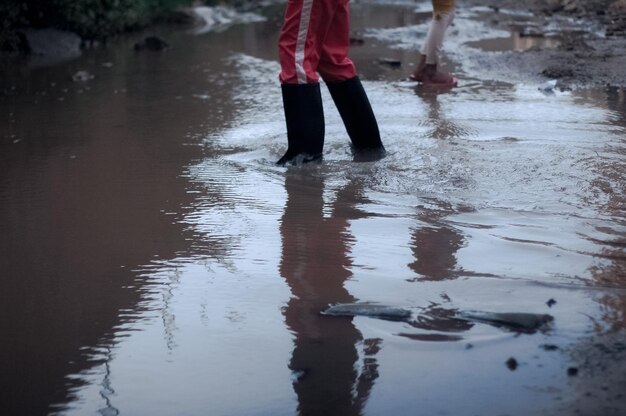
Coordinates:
154 261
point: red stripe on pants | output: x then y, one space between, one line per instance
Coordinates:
315 38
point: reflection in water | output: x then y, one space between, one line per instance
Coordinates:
107 390
602 356
90 186
442 127
517 41
315 264
434 246
610 182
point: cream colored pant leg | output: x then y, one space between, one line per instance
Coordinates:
434 39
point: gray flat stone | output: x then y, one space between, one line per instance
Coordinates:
373 310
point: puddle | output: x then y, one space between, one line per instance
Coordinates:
516 42
157 262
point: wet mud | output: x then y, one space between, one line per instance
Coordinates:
155 261
578 43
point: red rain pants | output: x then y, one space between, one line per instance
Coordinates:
315 38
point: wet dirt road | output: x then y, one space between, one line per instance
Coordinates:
154 261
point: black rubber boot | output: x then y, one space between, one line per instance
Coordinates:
304 115
358 117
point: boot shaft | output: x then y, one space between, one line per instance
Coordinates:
357 114
304 116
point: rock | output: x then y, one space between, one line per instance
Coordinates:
152 43
393 63
82 76
548 87
616 20
48 46
551 302
549 347
372 310
432 337
572 371
531 32
356 41
554 5
557 72
528 323
511 363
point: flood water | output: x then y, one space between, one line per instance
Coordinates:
155 261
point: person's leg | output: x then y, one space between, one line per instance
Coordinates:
426 71
345 87
302 101
433 43
304 27
334 63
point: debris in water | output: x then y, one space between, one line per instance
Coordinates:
298 375
528 323
551 303
82 76
152 43
432 337
511 363
393 63
549 347
372 310
356 41
557 73
548 86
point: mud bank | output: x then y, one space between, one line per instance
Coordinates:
590 41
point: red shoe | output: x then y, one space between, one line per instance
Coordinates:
429 75
418 74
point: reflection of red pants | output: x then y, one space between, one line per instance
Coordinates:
315 38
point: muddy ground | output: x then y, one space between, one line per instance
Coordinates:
591 35
594 56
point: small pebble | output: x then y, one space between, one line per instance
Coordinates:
549 347
511 363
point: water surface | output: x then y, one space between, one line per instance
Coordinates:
156 262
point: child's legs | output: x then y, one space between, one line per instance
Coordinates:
334 63
315 37
293 43
306 25
434 39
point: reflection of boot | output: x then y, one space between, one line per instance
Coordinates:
304 115
357 115
432 76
